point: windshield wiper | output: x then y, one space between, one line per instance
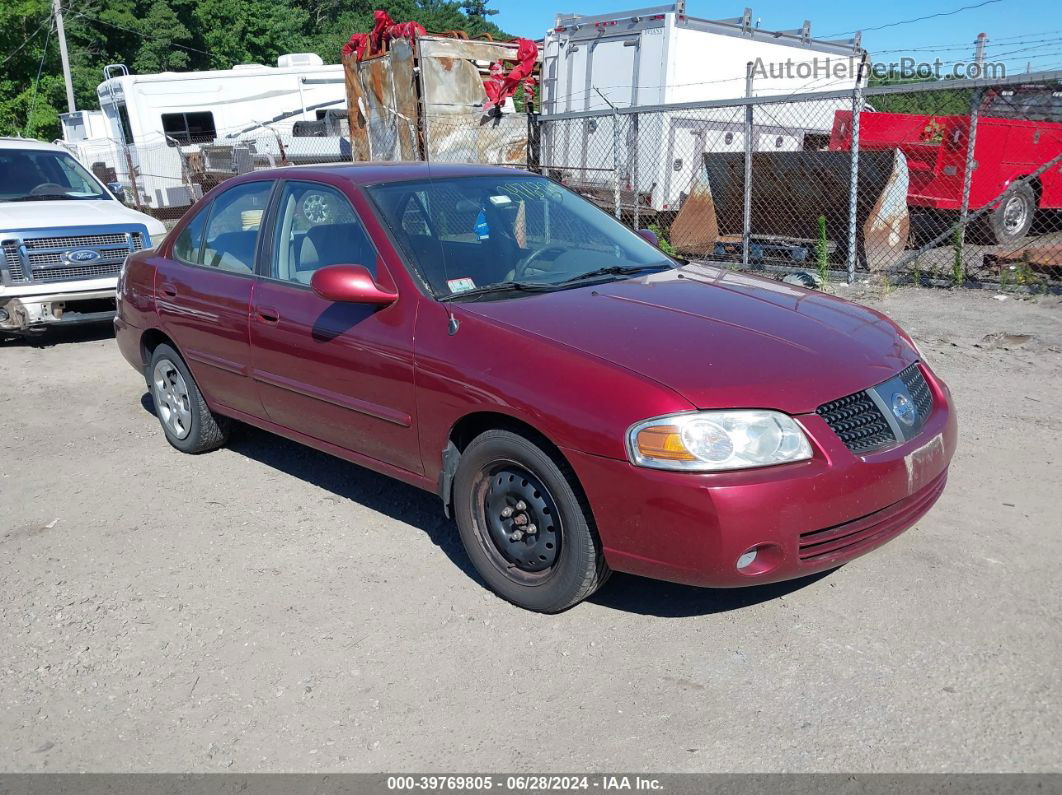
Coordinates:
617 270
500 287
41 197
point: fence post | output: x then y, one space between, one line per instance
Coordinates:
132 176
616 166
746 228
615 156
967 175
853 177
632 138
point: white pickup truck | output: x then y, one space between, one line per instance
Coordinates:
63 239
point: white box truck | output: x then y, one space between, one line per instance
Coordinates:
660 56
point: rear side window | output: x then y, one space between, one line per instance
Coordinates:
188 247
231 235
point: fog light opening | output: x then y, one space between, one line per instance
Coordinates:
759 559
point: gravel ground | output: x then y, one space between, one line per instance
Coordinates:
268 608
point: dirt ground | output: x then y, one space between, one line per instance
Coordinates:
268 608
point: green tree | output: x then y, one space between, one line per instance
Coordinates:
250 31
477 13
159 53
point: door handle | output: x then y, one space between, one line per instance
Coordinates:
267 314
169 290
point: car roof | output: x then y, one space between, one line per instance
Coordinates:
9 142
374 173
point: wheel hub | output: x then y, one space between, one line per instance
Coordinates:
522 519
172 401
1014 214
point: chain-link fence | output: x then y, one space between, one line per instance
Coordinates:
950 182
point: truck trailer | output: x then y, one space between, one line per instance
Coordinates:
660 56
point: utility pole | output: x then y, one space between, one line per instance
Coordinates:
57 10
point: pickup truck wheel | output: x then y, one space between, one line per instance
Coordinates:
523 524
186 420
1011 220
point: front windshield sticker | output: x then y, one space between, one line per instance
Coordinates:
500 200
461 285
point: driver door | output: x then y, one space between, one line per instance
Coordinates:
341 373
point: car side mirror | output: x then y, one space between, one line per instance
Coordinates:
351 284
118 191
649 236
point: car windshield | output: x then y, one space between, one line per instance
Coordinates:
505 236
41 175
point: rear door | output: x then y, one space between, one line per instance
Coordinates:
341 373
203 294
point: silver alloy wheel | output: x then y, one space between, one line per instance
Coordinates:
1015 213
171 398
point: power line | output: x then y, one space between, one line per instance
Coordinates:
916 19
29 38
143 35
958 47
37 81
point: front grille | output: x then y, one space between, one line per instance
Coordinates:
12 261
858 421
916 384
849 538
72 273
45 256
77 241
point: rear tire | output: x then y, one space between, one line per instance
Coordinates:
187 422
525 525
1012 219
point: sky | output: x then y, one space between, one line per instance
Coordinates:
1020 32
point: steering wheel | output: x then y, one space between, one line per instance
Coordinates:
49 189
524 266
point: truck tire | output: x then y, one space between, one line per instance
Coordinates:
187 422
1011 220
525 525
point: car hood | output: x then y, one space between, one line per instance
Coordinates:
719 338
65 214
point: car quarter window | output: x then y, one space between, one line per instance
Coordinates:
231 236
316 227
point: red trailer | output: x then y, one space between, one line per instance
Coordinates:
1019 130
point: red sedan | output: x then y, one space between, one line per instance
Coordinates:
580 401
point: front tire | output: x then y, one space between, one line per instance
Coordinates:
186 420
1013 218
524 524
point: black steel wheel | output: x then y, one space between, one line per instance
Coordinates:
525 525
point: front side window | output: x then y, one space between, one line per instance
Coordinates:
464 233
42 175
316 227
231 236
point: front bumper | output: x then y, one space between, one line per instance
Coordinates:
20 314
806 517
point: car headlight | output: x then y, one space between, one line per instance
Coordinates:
709 441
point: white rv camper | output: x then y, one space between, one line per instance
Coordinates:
660 56
151 123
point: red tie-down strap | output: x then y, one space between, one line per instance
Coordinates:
384 31
500 87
